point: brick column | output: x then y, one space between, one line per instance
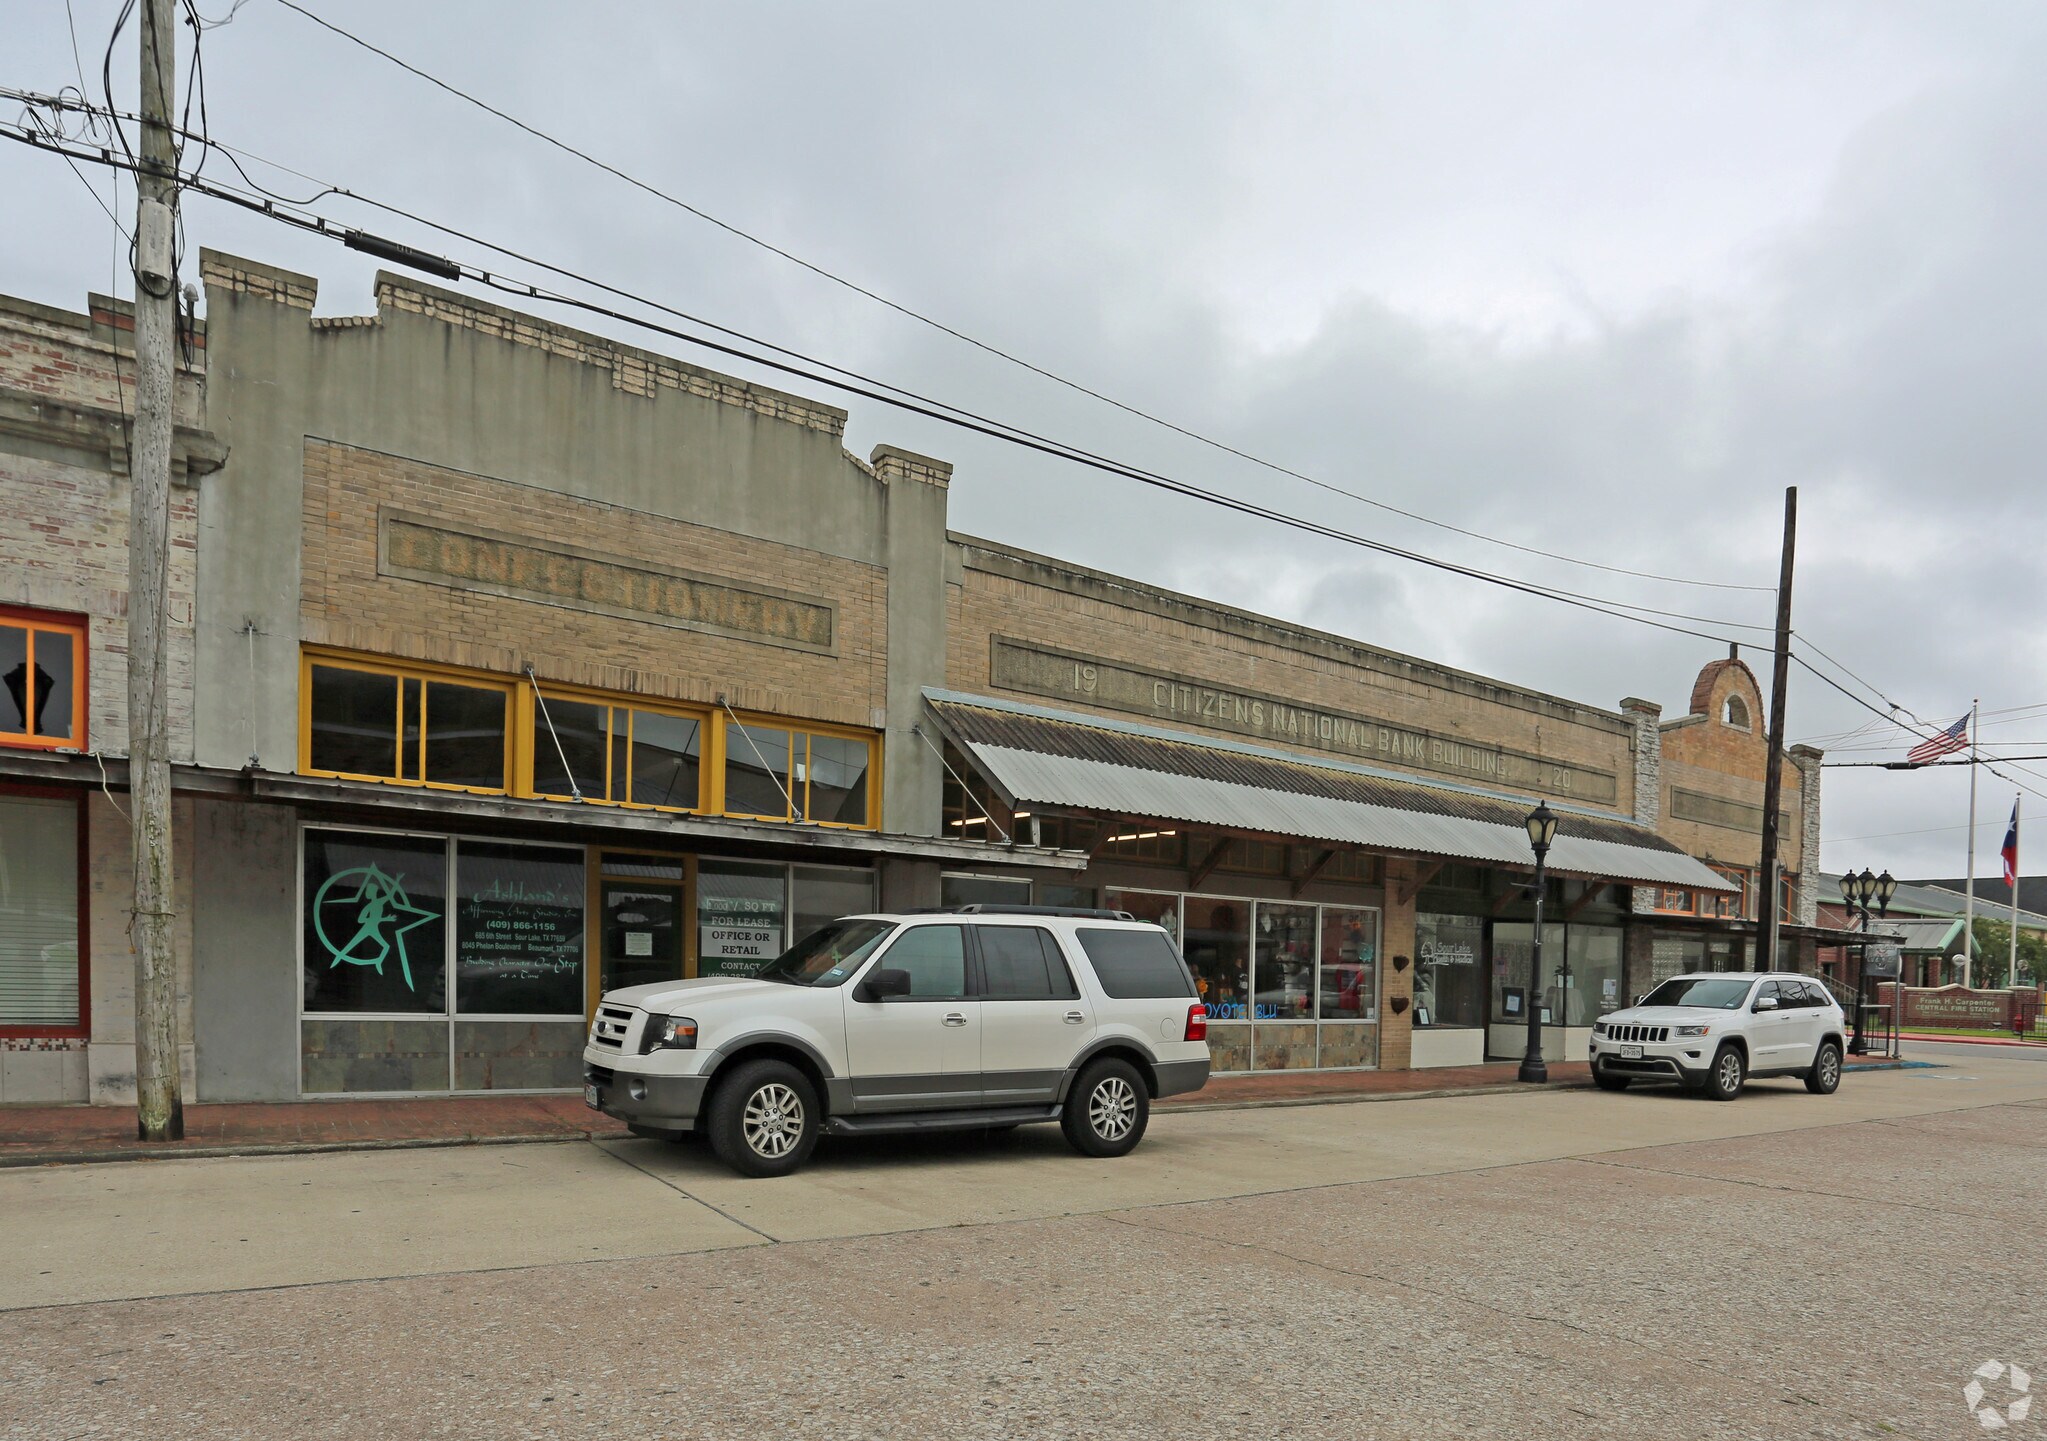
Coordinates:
1396 982
1808 762
1645 739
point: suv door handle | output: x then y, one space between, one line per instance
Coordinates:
955 1018
1076 1018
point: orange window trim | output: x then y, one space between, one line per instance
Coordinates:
52 623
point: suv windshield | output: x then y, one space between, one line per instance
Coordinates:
828 956
1725 994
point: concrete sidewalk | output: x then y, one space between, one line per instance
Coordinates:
46 1135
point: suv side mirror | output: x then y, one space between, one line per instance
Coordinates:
885 983
1766 1003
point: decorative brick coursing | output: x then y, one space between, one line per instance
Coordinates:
345 602
1807 760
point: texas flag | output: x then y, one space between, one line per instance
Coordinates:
2011 848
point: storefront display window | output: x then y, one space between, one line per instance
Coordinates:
518 929
824 893
741 915
375 923
1350 964
1596 980
40 975
1218 950
1158 907
42 680
1513 958
1449 987
1285 962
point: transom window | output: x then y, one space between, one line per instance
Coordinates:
414 724
632 755
42 680
393 724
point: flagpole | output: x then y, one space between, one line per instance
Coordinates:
2014 892
1969 887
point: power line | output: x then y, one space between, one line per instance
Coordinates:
901 398
1008 356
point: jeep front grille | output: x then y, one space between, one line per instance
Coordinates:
1638 1033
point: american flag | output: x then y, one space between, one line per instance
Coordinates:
1954 738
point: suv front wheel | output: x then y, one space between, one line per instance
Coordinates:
1107 1109
1723 1082
764 1119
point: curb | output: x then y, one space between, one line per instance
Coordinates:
90 1157
1968 1040
287 1148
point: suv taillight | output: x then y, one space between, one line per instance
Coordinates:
1197 1023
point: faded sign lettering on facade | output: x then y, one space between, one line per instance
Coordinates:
555 574
1280 719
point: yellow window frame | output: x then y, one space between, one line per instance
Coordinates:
540 740
799 793
401 672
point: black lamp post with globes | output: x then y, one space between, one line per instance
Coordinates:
1860 891
1542 829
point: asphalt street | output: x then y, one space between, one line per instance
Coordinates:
1558 1264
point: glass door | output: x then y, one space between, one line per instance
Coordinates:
641 919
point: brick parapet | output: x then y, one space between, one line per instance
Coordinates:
231 274
890 464
633 370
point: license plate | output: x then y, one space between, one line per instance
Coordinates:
590 1097
1628 1053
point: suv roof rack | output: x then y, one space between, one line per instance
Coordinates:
996 908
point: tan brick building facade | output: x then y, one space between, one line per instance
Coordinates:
510 662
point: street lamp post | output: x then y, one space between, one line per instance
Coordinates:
1859 891
1542 829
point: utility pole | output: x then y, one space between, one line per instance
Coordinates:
1773 773
159 1107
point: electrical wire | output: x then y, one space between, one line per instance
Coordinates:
998 352
912 402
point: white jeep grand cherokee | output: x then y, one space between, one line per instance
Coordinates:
1713 1030
975 1018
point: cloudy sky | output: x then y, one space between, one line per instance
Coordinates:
1599 279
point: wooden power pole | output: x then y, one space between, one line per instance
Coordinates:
159 1107
1773 772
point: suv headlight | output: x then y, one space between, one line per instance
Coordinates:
1599 1028
668 1033
1690 1030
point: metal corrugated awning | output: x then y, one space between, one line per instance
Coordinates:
1039 757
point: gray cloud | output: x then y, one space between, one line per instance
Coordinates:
1598 278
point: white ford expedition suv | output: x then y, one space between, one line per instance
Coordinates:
1714 1030
974 1018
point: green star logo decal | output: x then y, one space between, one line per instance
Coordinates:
369 907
